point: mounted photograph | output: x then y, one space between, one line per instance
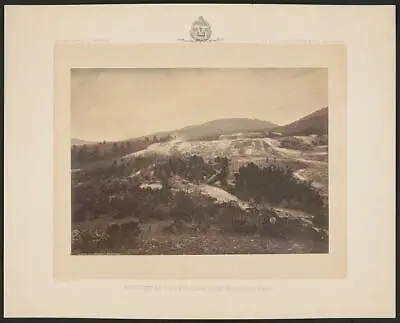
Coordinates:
199 161
209 156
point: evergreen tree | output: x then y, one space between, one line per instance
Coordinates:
96 152
115 147
81 154
224 170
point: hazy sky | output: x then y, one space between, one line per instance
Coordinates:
114 104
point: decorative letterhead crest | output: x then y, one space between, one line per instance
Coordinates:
201 30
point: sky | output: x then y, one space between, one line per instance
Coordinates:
117 104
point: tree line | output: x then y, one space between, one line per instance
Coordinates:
83 154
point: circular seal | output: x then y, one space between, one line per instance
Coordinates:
201 30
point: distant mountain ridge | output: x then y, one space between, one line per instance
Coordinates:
224 126
315 122
217 127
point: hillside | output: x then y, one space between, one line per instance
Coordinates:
217 127
75 141
312 162
224 126
244 195
314 123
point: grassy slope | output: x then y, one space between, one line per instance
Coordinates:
155 240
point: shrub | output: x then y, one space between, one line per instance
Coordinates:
275 185
321 140
295 143
321 218
114 238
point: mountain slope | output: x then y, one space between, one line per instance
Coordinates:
314 123
219 127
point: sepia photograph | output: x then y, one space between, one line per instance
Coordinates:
199 161
167 161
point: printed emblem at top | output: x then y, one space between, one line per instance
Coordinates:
201 30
